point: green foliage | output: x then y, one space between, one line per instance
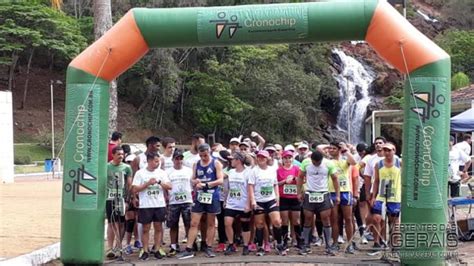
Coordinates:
25 26
459 45
26 159
459 80
36 152
396 100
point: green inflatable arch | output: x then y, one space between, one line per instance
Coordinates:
427 102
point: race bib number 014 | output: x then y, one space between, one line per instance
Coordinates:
205 198
316 197
289 189
235 193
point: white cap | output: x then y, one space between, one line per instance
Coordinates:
278 147
303 145
234 140
289 147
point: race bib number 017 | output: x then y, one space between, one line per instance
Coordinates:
289 189
205 198
316 197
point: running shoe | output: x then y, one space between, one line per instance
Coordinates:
158 255
128 250
220 247
252 247
267 247
303 250
280 250
330 252
230 249
172 252
245 251
260 252
185 240
209 253
363 240
110 254
317 241
144 256
368 235
340 240
350 249
186 254
138 244
162 252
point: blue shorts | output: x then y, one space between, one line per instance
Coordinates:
393 208
213 208
346 198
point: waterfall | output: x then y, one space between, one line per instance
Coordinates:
353 81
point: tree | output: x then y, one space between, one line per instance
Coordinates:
458 44
102 23
459 80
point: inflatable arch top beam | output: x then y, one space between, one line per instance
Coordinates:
427 98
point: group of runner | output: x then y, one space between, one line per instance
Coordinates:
259 195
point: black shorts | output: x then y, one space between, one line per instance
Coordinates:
175 210
266 207
362 196
213 208
148 215
236 213
317 207
113 215
290 204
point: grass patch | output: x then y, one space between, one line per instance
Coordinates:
26 169
35 151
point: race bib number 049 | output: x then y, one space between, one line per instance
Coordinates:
205 198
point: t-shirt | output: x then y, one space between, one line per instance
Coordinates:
237 192
190 159
390 181
152 196
463 146
317 176
264 180
181 190
342 168
288 190
369 166
117 180
168 162
456 159
109 154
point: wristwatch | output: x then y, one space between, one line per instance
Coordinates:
159 182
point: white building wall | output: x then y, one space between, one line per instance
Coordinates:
6 137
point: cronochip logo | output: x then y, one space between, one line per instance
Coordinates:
222 24
428 100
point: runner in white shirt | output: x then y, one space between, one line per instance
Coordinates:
180 199
150 183
315 172
464 145
457 160
237 204
264 199
192 156
169 145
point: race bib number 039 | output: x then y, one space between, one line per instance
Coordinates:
316 197
289 189
205 198
266 191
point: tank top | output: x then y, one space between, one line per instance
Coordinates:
390 178
207 174
342 168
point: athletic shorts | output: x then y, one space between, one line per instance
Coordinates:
176 210
148 215
346 198
236 213
266 207
362 196
393 208
317 207
113 216
289 204
213 208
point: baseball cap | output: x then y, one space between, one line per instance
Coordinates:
204 147
232 140
303 145
290 147
278 147
245 143
178 153
389 146
263 153
238 156
286 154
270 148
223 155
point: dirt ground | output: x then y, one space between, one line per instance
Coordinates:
30 219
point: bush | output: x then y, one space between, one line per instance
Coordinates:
25 159
459 80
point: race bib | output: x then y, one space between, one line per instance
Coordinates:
153 191
289 189
180 196
316 197
235 193
115 193
266 191
342 183
205 198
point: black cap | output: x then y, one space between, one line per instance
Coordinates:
238 156
204 147
178 153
